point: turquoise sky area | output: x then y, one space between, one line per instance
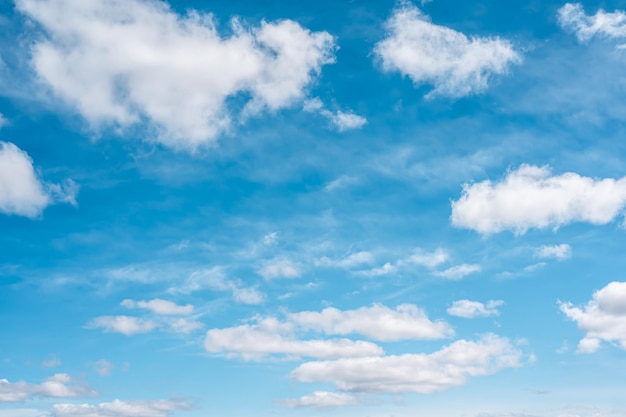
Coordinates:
339 208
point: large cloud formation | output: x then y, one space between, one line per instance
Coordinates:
123 62
602 319
531 197
452 63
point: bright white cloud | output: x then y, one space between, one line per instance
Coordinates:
530 197
428 259
270 337
572 17
377 322
122 324
323 399
602 319
421 373
117 408
558 252
470 309
341 120
159 306
21 192
57 386
279 268
427 53
120 62
458 271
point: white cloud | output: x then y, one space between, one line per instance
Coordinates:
458 271
279 268
470 309
185 326
122 324
121 62
421 373
323 399
602 319
572 17
377 322
57 386
117 408
558 252
341 182
427 53
386 269
341 120
270 337
348 262
159 306
428 259
530 197
21 191
270 239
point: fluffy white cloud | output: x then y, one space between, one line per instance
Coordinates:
377 322
21 191
427 53
602 319
458 271
121 62
270 337
470 309
559 252
117 408
341 120
279 268
422 373
122 324
572 17
57 386
323 399
159 306
530 197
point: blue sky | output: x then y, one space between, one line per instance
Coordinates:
339 208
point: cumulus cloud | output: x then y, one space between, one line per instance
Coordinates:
458 271
452 63
530 197
377 322
341 120
117 408
124 62
470 309
57 386
558 252
22 193
159 306
572 17
602 319
421 373
279 268
270 337
323 399
428 259
125 325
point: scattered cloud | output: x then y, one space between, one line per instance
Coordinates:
125 325
386 269
279 268
428 259
342 121
421 373
22 193
572 17
117 408
452 63
471 309
377 322
458 271
602 319
530 197
52 362
159 306
185 73
269 338
341 182
323 399
57 386
103 367
185 326
558 252
270 239
351 261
